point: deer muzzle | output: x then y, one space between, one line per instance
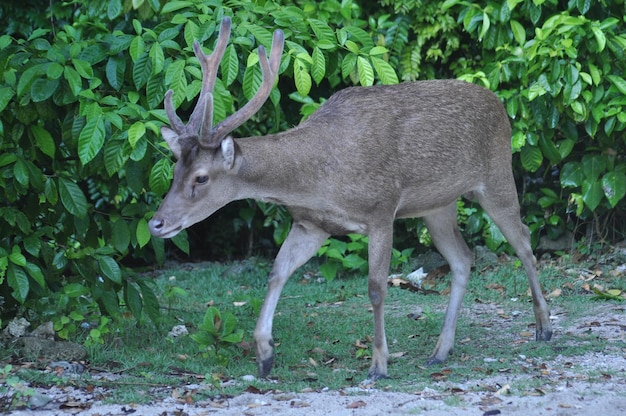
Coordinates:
159 228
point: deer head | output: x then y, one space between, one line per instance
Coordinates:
205 152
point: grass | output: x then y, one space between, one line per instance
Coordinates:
320 328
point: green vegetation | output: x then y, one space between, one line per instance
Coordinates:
323 333
83 166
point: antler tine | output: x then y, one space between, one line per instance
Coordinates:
209 65
270 70
177 124
204 106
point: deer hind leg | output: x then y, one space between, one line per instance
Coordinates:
379 256
302 242
501 204
444 231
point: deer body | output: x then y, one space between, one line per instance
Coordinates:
367 156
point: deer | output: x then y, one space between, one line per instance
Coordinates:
366 156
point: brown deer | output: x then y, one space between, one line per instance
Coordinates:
368 155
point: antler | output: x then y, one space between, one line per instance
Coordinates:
201 118
270 70
209 66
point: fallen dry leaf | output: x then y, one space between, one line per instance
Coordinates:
356 405
438 376
555 293
360 344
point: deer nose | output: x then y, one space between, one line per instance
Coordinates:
156 226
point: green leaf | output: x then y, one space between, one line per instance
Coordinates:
114 9
133 300
302 77
7 158
329 270
28 77
137 48
519 33
74 290
111 302
91 139
366 72
229 65
35 272
16 257
18 281
142 70
262 35
572 175
44 140
318 68
322 31
120 235
593 166
619 83
157 57
6 93
110 269
531 157
20 171
181 241
160 176
150 301
385 72
172 6
143 232
72 198
115 69
614 187
600 37
592 193
83 68
51 192
485 26
74 80
549 150
136 132
114 157
43 88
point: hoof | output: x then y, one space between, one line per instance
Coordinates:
543 335
265 366
373 376
433 361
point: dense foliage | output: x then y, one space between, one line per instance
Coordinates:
82 164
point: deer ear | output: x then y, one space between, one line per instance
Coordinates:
228 152
171 137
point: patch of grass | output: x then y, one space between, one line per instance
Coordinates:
321 327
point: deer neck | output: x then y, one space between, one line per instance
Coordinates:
269 168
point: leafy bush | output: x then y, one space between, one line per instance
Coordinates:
82 163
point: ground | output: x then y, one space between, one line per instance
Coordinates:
589 384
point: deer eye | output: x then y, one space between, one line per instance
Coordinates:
202 179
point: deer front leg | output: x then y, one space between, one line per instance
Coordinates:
303 241
379 253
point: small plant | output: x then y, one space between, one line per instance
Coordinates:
96 335
14 392
217 335
351 256
173 293
342 255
